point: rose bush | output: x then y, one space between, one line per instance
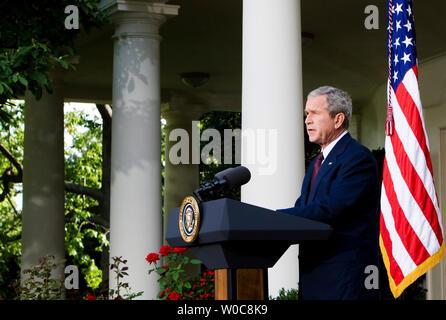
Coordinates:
175 284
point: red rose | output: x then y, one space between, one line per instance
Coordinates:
174 296
90 297
165 250
204 295
179 250
152 258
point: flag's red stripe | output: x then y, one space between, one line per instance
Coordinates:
410 111
408 237
394 268
416 186
415 70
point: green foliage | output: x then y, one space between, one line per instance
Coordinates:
163 161
40 284
84 239
175 283
219 120
285 294
26 68
10 226
33 40
11 137
83 165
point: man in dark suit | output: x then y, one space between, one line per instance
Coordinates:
341 189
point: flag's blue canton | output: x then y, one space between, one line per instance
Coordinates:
403 54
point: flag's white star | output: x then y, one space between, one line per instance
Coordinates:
397 42
398 25
398 9
409 11
395 75
406 58
396 59
408 25
408 41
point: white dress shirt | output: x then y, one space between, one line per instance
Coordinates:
331 145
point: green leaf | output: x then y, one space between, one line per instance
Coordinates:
23 81
195 261
62 62
7 88
39 77
160 270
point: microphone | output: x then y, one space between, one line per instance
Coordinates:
234 177
226 179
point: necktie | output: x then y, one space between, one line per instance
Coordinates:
317 166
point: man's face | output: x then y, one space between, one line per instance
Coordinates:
321 128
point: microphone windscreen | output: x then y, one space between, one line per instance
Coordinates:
234 177
221 175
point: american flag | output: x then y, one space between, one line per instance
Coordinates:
411 234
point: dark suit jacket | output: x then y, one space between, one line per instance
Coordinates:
345 195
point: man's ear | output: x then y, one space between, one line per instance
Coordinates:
339 120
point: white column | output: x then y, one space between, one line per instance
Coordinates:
135 207
272 104
43 225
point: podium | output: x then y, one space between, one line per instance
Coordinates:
240 241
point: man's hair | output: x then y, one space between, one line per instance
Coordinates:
338 101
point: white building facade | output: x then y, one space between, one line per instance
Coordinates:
263 57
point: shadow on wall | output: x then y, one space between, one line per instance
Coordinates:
136 105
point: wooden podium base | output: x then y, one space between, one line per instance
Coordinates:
241 284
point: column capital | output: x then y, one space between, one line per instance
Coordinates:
140 19
156 7
180 106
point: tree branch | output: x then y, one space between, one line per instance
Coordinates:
14 162
101 221
78 189
106 111
7 177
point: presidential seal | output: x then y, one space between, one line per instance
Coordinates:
189 219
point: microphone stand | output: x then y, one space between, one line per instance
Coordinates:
209 188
